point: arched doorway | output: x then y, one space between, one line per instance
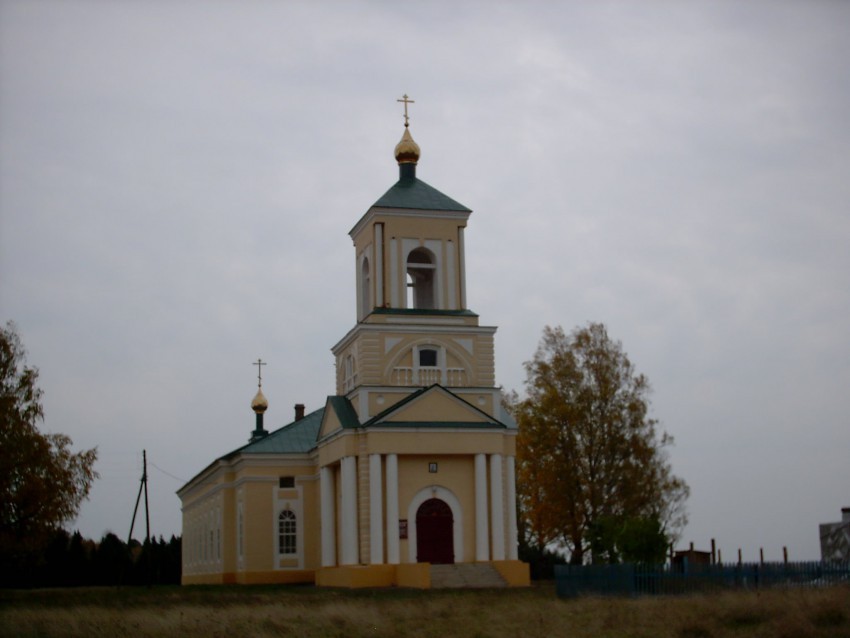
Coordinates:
434 533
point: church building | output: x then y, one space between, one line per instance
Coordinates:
410 465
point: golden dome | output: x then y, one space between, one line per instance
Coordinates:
407 151
260 404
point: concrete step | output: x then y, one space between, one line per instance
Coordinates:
466 575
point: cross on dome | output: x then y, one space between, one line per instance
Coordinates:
406 101
259 363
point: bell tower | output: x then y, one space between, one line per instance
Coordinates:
413 326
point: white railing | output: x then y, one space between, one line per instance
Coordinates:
449 377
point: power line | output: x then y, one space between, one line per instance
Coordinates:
176 478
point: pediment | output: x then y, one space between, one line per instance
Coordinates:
338 414
434 406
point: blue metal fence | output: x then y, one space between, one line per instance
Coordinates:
638 580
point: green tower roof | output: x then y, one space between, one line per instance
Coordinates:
412 192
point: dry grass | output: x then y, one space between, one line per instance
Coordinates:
210 612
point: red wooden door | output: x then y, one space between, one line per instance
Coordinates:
434 533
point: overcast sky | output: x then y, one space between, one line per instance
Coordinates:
177 181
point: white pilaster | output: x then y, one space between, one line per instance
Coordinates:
350 537
462 266
497 510
393 554
376 511
482 547
394 283
451 275
379 265
513 540
326 480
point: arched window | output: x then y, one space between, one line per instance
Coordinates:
349 373
365 289
421 272
286 532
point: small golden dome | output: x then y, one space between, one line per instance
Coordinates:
407 151
260 404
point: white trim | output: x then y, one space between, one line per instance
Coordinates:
418 430
373 212
436 246
363 404
445 321
365 256
451 297
328 516
513 534
376 512
497 511
350 536
482 547
465 343
419 324
379 265
392 509
295 505
462 266
394 302
390 343
446 495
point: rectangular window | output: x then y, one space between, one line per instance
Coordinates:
286 481
428 358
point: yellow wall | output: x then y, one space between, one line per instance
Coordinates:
456 474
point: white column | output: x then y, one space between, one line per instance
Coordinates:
482 547
513 540
497 510
326 481
350 540
451 276
462 265
379 265
392 510
376 511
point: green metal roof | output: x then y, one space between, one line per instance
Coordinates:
412 192
344 411
296 438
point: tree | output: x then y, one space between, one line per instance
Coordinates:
631 540
42 482
590 459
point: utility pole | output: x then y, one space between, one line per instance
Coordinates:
143 484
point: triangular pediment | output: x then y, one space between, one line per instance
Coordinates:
339 414
434 406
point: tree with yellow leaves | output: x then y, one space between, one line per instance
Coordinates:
589 457
42 482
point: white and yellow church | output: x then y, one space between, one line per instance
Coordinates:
410 465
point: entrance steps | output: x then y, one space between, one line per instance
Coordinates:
466 575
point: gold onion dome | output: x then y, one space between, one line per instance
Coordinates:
407 151
259 404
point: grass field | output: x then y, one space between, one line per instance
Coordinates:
212 612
